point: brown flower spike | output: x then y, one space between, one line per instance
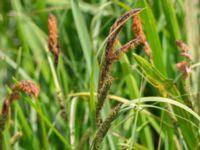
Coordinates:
105 80
184 68
137 28
184 49
52 38
29 88
112 55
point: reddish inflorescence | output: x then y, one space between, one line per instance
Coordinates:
112 54
137 28
184 49
52 38
184 67
29 87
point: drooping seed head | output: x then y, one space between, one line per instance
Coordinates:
29 87
137 29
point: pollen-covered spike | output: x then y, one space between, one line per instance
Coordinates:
52 38
184 49
122 19
137 29
147 49
52 26
29 87
182 46
116 28
125 48
184 68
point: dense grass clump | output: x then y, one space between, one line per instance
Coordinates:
99 74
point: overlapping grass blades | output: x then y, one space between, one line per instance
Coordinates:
168 89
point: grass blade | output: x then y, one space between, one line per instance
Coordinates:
82 33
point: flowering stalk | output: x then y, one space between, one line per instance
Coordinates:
52 38
185 69
104 127
29 88
54 49
112 55
185 51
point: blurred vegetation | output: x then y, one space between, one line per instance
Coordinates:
83 29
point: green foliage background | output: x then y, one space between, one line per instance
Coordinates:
83 30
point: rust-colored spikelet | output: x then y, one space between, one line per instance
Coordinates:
147 49
105 81
29 87
184 49
52 41
137 28
184 68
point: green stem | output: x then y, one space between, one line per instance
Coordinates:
59 93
